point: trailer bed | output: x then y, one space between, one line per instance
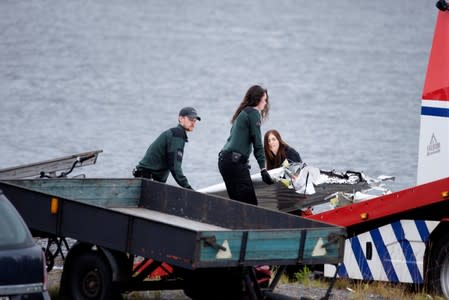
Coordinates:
185 228
168 219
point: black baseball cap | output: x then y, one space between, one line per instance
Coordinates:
189 112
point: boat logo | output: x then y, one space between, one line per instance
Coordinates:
434 146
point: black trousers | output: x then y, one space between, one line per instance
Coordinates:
236 176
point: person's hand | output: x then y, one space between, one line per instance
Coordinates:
266 177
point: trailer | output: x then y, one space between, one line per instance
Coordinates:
48 168
211 243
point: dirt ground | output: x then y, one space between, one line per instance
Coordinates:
294 290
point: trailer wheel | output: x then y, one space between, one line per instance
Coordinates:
91 278
439 267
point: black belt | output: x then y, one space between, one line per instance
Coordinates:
235 157
142 172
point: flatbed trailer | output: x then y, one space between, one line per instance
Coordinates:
429 201
211 242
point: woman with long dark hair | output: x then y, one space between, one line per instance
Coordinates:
277 150
245 133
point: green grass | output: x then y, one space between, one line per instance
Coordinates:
359 289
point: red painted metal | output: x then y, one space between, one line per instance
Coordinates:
436 86
162 271
413 199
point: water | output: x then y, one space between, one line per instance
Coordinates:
344 78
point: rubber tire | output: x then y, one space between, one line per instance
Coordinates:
91 278
217 284
438 279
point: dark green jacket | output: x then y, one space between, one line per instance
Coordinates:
245 132
165 155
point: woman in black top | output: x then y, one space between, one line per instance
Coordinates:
245 136
276 150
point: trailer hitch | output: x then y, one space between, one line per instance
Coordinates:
212 242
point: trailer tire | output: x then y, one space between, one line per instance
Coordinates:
91 278
438 271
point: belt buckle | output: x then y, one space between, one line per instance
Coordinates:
236 157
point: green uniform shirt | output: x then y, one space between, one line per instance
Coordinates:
245 132
165 155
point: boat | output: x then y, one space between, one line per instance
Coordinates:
302 189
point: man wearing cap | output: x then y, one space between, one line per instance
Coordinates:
165 154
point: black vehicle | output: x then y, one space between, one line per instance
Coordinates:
23 270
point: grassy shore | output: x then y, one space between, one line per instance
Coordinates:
301 281
358 290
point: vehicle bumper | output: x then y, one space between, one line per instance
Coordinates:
33 291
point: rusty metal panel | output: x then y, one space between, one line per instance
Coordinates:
217 210
100 192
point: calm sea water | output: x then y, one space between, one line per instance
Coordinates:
345 79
